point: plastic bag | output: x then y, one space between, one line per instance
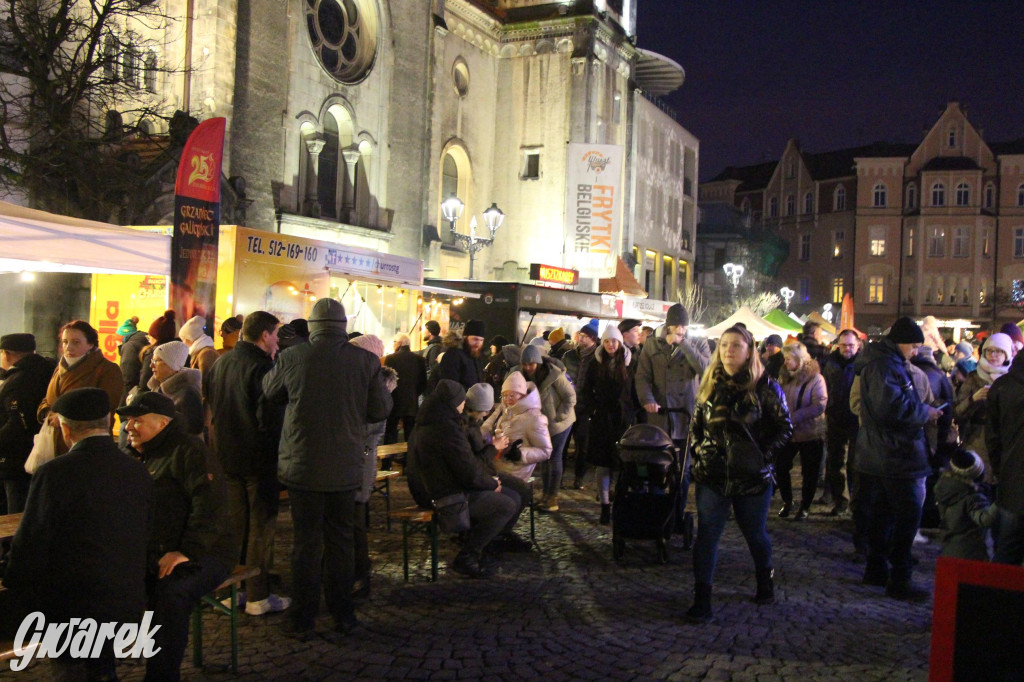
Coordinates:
42 448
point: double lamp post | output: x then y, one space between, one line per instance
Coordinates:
451 209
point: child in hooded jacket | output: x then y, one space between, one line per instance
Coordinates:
964 508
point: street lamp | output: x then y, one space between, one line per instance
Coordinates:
733 271
827 312
787 295
452 207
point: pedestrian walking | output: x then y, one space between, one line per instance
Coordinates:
412 383
841 423
806 397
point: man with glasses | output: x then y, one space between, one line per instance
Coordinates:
841 434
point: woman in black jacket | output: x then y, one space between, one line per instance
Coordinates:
739 425
441 463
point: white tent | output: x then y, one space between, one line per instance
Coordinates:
37 241
755 325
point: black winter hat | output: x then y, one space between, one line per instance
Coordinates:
626 325
300 327
905 330
149 402
83 404
451 392
18 343
677 316
474 328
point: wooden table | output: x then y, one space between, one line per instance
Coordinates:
392 450
9 525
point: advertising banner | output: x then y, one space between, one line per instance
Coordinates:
196 224
594 204
116 298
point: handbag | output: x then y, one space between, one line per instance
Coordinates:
42 448
452 513
743 456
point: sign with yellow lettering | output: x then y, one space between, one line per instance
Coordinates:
555 275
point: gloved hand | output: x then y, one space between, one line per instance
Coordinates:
513 454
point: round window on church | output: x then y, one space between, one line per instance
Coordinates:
460 78
343 36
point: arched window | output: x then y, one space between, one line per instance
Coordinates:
327 170
938 194
790 205
839 199
773 207
963 194
911 196
878 196
809 203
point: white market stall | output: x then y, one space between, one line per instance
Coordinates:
755 325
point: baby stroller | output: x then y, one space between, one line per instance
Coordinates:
647 489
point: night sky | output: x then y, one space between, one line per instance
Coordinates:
835 74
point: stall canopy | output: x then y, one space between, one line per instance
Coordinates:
755 325
623 283
37 241
782 319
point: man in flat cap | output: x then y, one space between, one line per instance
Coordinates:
331 390
80 551
464 364
191 548
25 378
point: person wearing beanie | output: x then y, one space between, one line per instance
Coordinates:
520 418
433 347
971 408
541 343
81 548
465 364
576 361
560 344
1016 337
480 398
604 391
329 389
667 376
128 327
244 432
201 353
230 330
1005 445
496 343
891 459
139 372
412 383
301 327
25 378
963 351
965 511
558 404
772 356
181 384
133 341
441 463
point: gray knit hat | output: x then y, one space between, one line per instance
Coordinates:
480 398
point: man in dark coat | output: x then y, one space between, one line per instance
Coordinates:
772 357
80 551
464 365
244 433
332 389
432 335
130 350
25 378
891 460
192 548
1004 438
412 382
576 361
842 424
813 340
441 463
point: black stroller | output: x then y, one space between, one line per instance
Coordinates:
647 490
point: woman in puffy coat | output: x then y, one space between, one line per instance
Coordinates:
558 403
971 409
807 397
519 419
82 365
179 383
606 395
739 425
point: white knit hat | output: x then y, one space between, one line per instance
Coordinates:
193 329
1002 342
173 353
612 332
515 382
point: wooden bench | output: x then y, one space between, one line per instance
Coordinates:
237 577
382 486
417 521
392 452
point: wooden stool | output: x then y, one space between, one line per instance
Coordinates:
415 521
237 577
382 486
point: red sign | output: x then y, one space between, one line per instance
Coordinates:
549 273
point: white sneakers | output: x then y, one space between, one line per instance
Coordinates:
271 604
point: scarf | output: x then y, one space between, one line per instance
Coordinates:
202 342
989 372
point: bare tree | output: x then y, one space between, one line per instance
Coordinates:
692 298
77 92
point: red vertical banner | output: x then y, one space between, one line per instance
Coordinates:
197 223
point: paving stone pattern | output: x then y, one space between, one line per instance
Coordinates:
570 612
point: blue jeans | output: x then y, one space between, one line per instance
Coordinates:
892 511
556 464
1009 545
323 555
751 513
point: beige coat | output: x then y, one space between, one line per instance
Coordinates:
92 371
525 421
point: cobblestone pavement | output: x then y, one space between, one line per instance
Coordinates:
568 611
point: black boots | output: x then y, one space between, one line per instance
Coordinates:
469 564
700 612
606 514
765 587
787 507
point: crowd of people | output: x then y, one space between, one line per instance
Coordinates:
905 430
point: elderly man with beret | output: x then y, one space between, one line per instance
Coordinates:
80 551
25 378
192 548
